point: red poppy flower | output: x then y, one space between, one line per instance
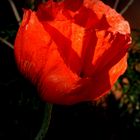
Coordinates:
74 50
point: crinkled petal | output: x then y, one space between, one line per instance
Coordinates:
50 11
115 20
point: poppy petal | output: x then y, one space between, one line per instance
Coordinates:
39 60
73 51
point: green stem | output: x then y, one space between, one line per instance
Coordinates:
46 122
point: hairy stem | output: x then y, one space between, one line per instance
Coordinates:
15 11
126 7
6 42
116 4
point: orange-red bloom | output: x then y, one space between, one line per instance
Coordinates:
73 51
